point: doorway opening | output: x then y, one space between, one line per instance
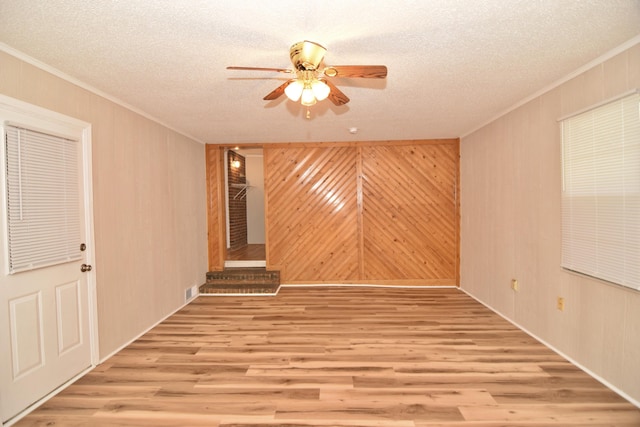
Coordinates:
244 179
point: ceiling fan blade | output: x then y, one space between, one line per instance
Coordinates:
366 71
277 92
279 70
336 95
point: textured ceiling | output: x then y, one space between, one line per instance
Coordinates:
453 64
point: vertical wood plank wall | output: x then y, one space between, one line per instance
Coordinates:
216 222
383 212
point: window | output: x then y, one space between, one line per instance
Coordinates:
601 192
43 208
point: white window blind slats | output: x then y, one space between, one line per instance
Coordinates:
43 211
601 192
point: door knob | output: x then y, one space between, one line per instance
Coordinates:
84 268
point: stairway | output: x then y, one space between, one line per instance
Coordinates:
247 280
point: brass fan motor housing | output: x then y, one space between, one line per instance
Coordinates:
307 55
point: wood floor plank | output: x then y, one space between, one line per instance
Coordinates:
339 411
321 382
433 396
336 356
572 413
247 252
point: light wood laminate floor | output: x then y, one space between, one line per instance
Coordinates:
326 356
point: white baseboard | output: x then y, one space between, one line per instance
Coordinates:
113 353
570 359
363 285
43 399
36 404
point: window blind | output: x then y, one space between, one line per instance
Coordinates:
43 204
601 192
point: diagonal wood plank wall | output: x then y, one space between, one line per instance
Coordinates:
410 213
374 213
312 213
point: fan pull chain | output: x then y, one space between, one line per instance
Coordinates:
308 113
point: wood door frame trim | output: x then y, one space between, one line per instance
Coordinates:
387 143
216 206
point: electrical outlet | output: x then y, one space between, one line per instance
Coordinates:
514 284
560 304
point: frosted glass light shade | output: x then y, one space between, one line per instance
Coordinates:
320 90
308 98
294 90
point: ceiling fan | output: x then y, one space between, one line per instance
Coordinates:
311 83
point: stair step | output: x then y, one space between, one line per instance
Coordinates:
216 289
244 275
249 280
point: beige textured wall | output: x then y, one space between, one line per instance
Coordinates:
510 228
149 204
255 199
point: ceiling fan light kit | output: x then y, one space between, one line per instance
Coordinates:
307 88
320 90
311 84
294 90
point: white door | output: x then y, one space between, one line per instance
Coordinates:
45 334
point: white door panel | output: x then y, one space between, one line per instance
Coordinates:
49 337
27 349
69 313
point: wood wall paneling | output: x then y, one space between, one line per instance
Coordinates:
311 213
512 179
376 213
399 217
409 213
215 207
